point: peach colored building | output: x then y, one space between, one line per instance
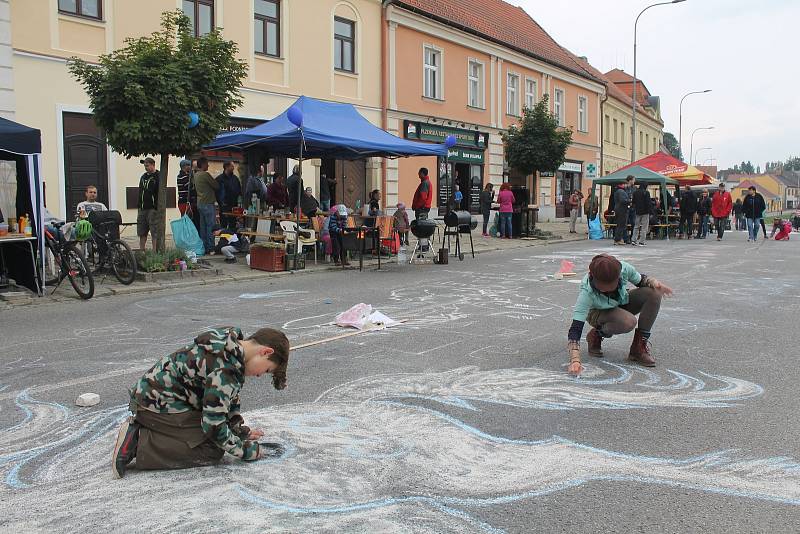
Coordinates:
326 49
467 68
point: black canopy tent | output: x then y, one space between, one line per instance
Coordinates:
23 146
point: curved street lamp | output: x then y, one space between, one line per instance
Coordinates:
680 117
633 140
698 151
691 141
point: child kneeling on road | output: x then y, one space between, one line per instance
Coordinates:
186 407
231 242
610 308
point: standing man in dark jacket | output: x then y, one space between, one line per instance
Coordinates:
688 209
207 188
703 213
737 214
228 195
422 196
622 203
325 185
147 219
485 200
641 208
753 207
295 186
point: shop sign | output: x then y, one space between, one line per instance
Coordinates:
465 155
546 174
569 166
236 124
438 134
591 171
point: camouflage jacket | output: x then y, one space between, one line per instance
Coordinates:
205 376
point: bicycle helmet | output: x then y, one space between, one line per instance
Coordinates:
83 230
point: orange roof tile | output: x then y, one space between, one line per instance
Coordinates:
500 22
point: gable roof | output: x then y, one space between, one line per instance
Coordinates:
747 184
625 80
500 22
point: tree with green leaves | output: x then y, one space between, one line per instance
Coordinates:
142 94
672 146
538 143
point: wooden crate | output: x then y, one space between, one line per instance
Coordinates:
267 258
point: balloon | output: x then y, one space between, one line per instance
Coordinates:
450 141
194 119
295 116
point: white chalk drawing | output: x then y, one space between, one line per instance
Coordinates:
271 294
377 454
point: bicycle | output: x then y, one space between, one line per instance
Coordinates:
104 248
64 260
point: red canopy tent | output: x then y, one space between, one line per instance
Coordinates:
667 165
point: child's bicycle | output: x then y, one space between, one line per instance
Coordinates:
64 260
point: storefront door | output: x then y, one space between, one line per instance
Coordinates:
566 183
85 161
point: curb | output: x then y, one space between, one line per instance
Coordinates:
152 287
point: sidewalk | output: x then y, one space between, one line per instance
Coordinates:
108 286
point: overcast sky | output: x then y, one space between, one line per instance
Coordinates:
745 51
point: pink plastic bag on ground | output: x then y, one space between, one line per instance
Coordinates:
355 317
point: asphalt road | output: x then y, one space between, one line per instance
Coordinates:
461 419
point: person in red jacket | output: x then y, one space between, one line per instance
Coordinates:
721 205
423 195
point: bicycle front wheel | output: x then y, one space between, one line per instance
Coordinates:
122 261
78 272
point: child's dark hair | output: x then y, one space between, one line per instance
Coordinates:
277 341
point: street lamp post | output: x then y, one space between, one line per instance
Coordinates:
698 151
691 140
635 25
680 117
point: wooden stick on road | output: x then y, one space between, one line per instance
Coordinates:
342 336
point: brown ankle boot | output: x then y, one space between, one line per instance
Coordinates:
640 351
595 341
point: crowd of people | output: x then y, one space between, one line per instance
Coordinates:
634 213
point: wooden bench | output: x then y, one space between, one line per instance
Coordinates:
274 237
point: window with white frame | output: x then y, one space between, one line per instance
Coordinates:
344 44
530 93
475 81
621 134
558 106
512 94
583 116
615 132
432 73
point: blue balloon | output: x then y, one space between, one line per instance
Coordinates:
450 141
194 119
295 116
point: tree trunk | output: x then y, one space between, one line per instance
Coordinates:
162 202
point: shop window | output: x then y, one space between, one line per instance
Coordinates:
267 27
512 94
201 15
344 44
475 82
558 106
583 116
92 9
432 74
530 93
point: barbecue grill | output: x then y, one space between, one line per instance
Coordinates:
423 230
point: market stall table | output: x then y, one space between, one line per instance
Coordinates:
20 240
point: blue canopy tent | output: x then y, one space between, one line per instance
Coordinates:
23 146
312 128
326 130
